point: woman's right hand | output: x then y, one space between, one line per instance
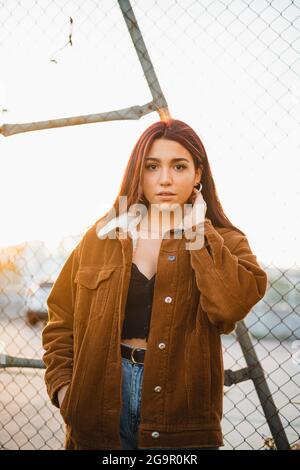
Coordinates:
61 394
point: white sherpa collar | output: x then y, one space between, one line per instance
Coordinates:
128 223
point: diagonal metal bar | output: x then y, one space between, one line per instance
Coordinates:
158 103
144 58
133 112
256 373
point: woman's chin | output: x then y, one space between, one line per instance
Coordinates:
167 205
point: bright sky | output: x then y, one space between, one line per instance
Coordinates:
56 182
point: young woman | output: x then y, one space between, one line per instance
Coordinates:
133 348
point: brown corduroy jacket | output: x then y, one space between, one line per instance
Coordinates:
210 290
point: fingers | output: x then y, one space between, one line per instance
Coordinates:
199 198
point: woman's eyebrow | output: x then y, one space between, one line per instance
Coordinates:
176 159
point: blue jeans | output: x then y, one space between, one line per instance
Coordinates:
132 379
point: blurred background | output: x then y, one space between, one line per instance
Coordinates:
231 70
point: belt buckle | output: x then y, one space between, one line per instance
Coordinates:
132 358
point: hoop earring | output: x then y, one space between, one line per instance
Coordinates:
199 189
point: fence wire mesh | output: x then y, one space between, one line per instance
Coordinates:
254 46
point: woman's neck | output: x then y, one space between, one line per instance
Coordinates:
156 222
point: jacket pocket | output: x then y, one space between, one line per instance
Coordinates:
92 292
62 407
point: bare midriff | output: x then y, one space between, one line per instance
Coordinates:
135 342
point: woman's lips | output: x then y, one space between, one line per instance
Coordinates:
166 196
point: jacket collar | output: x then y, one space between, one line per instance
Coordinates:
127 222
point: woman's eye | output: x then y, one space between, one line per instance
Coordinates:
152 164
177 165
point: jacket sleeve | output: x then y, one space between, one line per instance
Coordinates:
228 276
57 336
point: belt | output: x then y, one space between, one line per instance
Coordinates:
135 355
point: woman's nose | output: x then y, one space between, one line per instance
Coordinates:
165 176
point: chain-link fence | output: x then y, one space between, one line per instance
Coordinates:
234 55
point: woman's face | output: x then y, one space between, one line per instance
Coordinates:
169 167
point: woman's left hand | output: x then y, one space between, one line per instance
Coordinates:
195 215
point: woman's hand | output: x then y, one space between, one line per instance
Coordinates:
195 214
61 394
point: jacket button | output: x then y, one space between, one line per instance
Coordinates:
155 434
157 388
171 257
168 300
161 345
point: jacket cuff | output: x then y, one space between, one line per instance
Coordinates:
54 387
207 232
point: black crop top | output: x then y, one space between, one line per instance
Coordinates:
138 305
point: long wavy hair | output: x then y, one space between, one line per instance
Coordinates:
172 129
